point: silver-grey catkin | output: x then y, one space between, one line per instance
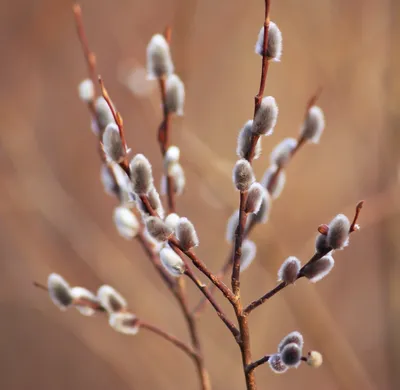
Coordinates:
108 181
338 233
274 185
159 61
266 117
289 270
104 115
59 291
110 299
243 176
255 197
172 262
158 229
141 174
293 337
244 141
249 251
231 226
313 125
124 322
291 355
126 222
84 300
155 203
186 234
112 143
274 47
321 244
261 216
282 152
317 270
175 94
276 364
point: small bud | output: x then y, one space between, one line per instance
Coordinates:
249 250
86 90
158 229
107 179
243 176
84 301
282 152
121 178
111 299
292 337
274 184
314 359
103 112
263 213
276 364
172 156
172 220
338 233
317 270
244 141
172 262
124 322
59 291
141 174
112 143
231 226
314 125
126 222
175 172
274 47
266 117
175 94
321 244
156 245
291 355
159 62
255 197
186 234
289 270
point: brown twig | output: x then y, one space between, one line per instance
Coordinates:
317 255
257 363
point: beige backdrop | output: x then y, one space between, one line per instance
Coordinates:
56 218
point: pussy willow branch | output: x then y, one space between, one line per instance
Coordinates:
250 226
142 324
164 132
318 255
176 289
265 359
244 343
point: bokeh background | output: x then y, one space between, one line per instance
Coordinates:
56 218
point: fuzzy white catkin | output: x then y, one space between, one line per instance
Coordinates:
275 187
123 322
59 291
111 299
186 234
339 231
243 176
158 229
172 156
289 270
103 112
291 355
274 46
313 125
86 90
317 270
126 222
159 62
141 174
112 143
107 179
282 152
261 216
266 117
172 220
122 179
81 293
255 197
244 141
172 262
249 251
231 226
174 94
293 337
176 173
276 364
155 203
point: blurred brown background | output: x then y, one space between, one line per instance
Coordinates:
56 218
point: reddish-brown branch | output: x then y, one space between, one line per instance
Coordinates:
317 255
257 363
